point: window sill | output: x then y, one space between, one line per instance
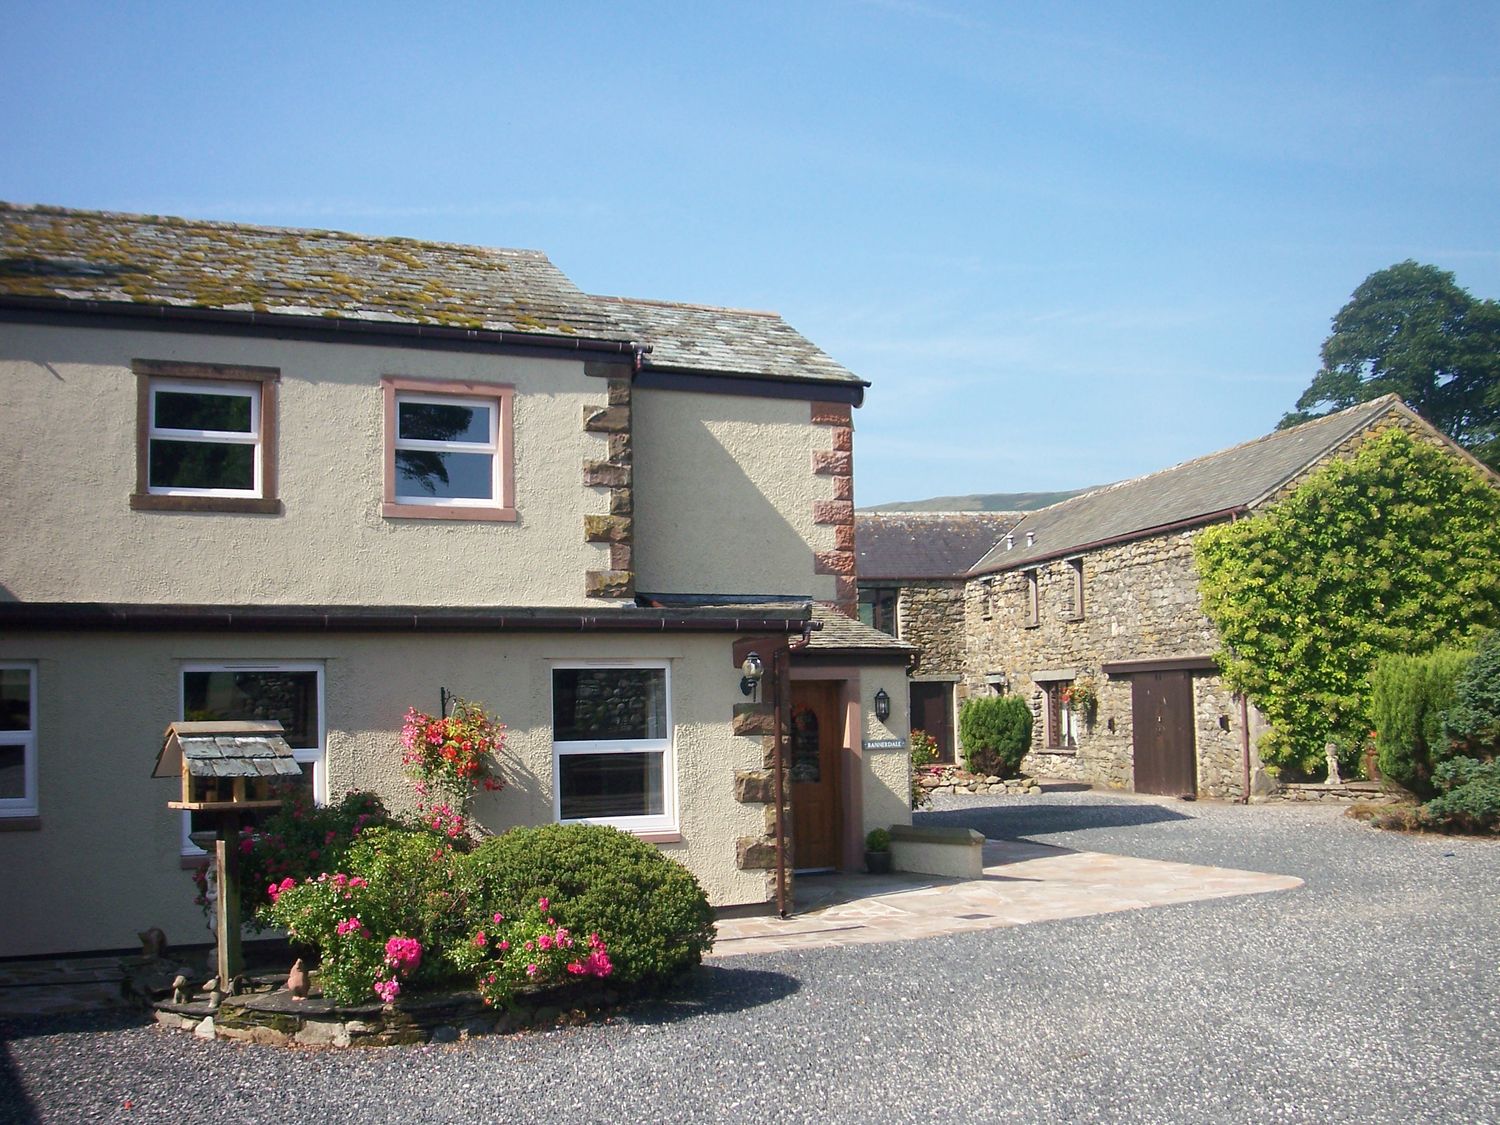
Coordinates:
659 837
392 510
1057 752
27 823
1032 625
150 502
1074 617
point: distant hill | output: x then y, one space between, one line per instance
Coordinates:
979 502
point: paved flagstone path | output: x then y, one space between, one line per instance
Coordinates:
1022 883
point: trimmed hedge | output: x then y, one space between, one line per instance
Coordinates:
1473 721
648 908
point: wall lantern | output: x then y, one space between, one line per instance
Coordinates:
753 670
882 705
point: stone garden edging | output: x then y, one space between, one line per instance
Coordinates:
952 779
268 1014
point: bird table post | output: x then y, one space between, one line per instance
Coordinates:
226 769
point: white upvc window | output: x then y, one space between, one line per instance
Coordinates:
612 759
447 450
290 692
204 439
18 793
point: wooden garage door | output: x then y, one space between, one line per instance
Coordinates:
932 711
1162 725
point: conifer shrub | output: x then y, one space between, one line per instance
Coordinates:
1409 696
995 732
647 907
1472 723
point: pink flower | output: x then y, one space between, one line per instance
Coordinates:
499 918
542 905
388 990
481 940
575 967
544 942
349 925
503 946
403 954
531 969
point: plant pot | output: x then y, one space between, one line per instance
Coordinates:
878 863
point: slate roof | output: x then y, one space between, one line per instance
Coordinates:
687 337
52 254
147 259
1231 479
226 749
907 545
847 634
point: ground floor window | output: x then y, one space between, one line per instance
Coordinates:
18 740
1060 721
292 694
612 745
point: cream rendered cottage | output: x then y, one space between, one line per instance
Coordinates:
321 477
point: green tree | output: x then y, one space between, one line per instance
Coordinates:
1411 330
1396 549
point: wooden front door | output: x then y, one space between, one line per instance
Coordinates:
1162 726
817 737
932 711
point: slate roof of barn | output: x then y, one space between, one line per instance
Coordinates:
892 546
1208 487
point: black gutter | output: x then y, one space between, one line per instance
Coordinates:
848 391
319 329
1126 537
138 617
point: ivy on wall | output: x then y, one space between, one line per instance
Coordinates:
1395 549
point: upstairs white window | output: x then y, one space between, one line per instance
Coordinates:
448 450
18 795
207 437
612 746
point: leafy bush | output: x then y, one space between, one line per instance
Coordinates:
995 731
1395 549
398 883
1408 697
649 909
297 841
1473 721
533 950
1469 800
878 840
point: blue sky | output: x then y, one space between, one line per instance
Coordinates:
1066 244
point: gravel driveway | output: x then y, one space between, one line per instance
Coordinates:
1370 994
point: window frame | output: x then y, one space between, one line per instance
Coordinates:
28 804
1059 727
316 756
663 824
500 398
1075 575
885 605
1033 606
259 384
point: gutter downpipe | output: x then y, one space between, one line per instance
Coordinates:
1244 728
777 656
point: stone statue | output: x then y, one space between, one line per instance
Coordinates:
1332 751
296 981
181 994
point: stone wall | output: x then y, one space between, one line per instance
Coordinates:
931 616
1140 602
